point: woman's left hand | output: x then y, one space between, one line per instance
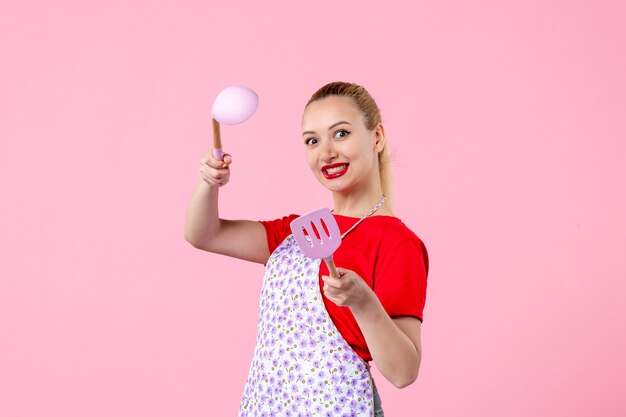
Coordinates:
395 344
348 290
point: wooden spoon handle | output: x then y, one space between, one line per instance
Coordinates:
217 140
331 267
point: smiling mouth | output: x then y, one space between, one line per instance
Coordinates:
334 171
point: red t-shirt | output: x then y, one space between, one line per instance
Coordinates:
386 254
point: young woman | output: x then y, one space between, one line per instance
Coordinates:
317 333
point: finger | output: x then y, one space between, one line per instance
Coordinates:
210 161
343 271
206 157
217 168
214 173
211 180
333 282
329 292
335 298
228 159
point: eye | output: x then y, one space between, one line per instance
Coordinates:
341 134
310 141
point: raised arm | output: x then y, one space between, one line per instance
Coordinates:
243 239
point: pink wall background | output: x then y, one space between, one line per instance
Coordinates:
507 123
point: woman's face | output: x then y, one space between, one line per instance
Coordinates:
340 150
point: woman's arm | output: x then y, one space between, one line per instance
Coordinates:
243 239
395 344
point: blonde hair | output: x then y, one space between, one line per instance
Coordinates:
368 107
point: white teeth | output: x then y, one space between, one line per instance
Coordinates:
336 169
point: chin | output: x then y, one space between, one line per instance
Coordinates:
334 186
328 186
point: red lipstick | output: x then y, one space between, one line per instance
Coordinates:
337 174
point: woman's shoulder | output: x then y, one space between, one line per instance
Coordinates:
389 228
277 230
283 222
398 240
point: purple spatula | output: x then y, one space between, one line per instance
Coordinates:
318 236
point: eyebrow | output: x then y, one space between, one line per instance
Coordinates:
336 124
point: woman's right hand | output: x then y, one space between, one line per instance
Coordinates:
214 172
204 229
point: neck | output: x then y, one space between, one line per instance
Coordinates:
359 203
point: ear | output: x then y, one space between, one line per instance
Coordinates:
379 136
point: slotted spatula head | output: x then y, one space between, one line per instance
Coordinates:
321 244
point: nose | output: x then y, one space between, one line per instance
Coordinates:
327 151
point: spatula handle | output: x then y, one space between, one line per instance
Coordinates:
331 267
